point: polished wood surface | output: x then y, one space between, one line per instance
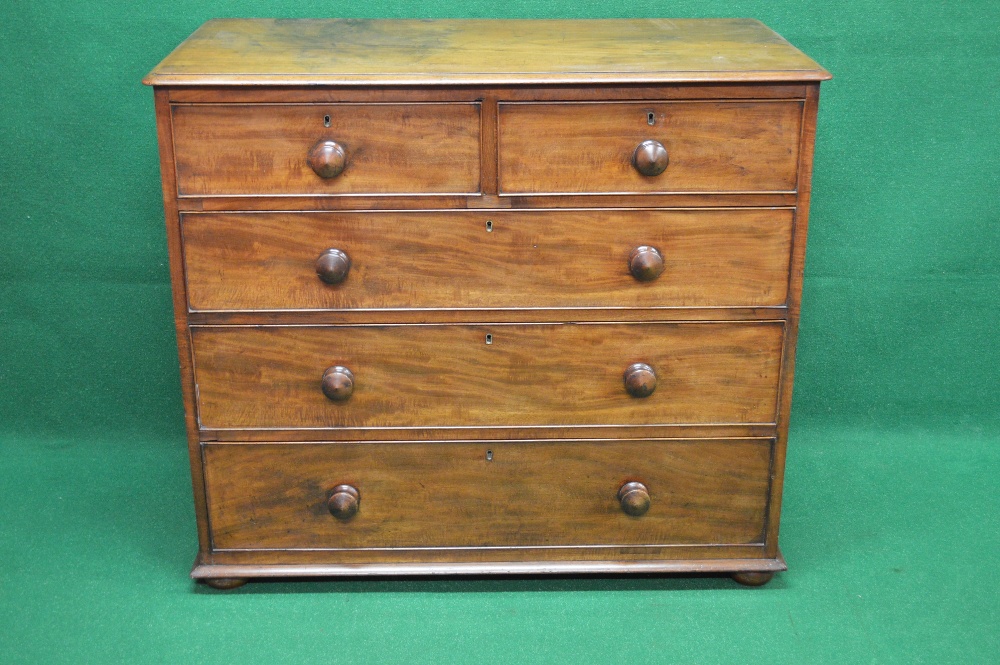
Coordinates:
332 266
224 583
179 297
597 561
327 159
645 263
640 380
344 502
795 279
482 201
450 495
338 383
267 93
650 157
592 558
496 315
634 498
578 258
753 578
714 147
437 281
492 433
426 376
229 149
395 52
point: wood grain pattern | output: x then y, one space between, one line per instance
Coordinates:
501 433
479 561
577 258
795 279
752 578
713 147
533 126
450 495
524 315
350 202
229 149
387 52
561 374
179 294
260 94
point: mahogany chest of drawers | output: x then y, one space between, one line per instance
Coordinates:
486 296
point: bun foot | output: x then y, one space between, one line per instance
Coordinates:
753 578
225 583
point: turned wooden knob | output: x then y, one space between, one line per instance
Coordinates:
327 159
344 502
634 498
640 380
650 158
333 265
338 383
645 263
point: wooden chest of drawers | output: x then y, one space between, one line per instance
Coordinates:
486 296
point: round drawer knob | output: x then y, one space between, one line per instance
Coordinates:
338 383
634 498
640 380
333 265
645 263
344 502
650 158
327 159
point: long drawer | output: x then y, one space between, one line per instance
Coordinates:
488 494
287 377
703 147
235 149
487 259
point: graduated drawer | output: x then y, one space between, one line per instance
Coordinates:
489 494
495 259
710 146
254 149
495 375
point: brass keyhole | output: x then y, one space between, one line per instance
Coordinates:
489 338
489 226
651 118
326 121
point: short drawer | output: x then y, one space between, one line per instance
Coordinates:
496 375
491 259
276 149
704 147
489 494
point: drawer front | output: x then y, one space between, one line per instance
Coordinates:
386 148
494 259
590 147
485 375
529 494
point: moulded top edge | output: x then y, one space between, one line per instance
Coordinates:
482 52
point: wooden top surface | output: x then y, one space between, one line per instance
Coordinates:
482 52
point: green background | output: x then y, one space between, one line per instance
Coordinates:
890 516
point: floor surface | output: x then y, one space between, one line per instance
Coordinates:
891 538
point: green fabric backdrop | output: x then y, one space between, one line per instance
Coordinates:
892 496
